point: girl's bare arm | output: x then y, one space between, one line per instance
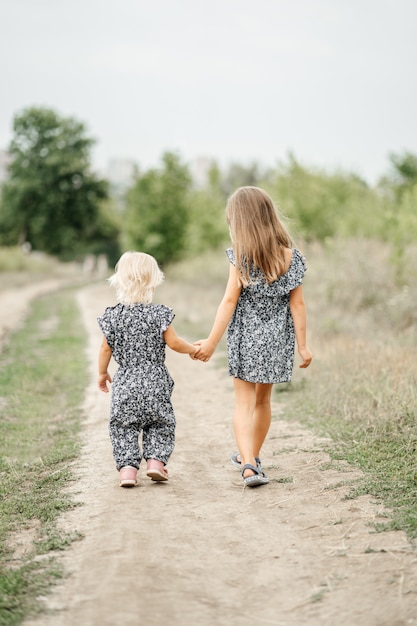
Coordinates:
177 343
223 316
299 316
104 357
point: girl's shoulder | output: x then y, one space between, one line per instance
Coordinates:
110 311
160 309
297 259
231 255
293 277
293 257
288 256
162 313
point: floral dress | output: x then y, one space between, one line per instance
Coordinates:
142 385
260 335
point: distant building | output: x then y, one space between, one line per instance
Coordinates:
199 169
121 172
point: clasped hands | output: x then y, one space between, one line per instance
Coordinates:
204 350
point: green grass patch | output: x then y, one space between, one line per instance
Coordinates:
382 445
360 390
42 379
388 458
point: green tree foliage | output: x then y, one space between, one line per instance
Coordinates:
158 210
405 171
398 190
322 205
52 199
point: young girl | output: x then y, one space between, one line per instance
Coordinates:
135 333
263 308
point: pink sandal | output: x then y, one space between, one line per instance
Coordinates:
128 476
156 470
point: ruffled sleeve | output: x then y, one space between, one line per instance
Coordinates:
231 255
106 326
166 316
296 271
292 279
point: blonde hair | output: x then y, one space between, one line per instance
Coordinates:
258 236
135 278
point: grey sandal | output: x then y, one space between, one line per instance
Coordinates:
258 478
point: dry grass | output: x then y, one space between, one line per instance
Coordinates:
362 331
18 269
361 387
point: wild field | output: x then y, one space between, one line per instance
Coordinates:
360 391
362 385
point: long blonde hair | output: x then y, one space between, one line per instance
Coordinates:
258 236
135 278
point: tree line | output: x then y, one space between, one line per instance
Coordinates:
53 199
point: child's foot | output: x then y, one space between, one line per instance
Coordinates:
255 478
128 476
156 470
237 461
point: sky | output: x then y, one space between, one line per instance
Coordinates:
332 81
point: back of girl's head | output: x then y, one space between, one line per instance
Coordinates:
135 278
258 234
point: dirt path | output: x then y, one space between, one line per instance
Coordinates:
202 551
14 303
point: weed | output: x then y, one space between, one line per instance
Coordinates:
283 479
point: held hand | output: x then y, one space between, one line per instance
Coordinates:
306 356
193 355
103 379
205 350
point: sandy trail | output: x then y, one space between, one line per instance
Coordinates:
14 303
200 549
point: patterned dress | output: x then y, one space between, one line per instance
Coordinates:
142 385
260 335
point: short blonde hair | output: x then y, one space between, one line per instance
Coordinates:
135 278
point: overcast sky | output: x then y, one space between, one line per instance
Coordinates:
333 81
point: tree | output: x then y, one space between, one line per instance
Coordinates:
403 176
157 212
51 198
207 226
322 204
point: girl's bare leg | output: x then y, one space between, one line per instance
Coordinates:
243 423
261 416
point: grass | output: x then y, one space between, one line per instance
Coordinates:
13 259
360 391
18 269
42 379
361 388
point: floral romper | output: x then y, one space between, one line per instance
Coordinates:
260 335
142 385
